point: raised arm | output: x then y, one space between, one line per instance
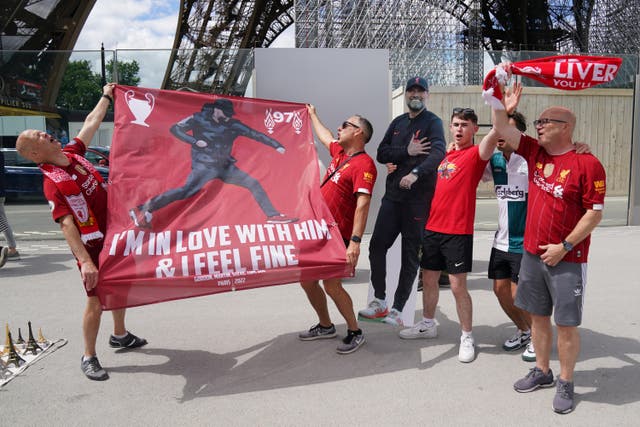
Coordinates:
322 132
95 117
488 144
500 118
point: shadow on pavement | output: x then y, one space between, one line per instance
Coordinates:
35 265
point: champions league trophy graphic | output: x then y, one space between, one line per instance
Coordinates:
139 107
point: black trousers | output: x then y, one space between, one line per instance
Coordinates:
394 218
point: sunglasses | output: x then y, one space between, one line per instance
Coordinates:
459 110
348 123
542 122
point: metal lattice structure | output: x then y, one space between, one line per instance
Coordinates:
212 49
49 28
424 37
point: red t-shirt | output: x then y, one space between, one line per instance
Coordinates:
453 208
93 192
561 190
358 175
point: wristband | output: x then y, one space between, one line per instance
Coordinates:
108 97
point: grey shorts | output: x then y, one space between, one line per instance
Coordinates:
543 290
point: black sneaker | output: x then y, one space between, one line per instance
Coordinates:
128 341
92 369
318 332
351 342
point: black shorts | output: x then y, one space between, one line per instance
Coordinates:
450 252
504 265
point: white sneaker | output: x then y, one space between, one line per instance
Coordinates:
376 309
529 354
394 318
467 350
420 330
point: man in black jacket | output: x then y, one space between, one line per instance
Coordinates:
414 145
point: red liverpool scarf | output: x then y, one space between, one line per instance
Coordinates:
568 72
82 213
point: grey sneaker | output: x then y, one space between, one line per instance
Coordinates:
534 380
318 332
376 309
394 318
519 340
92 369
529 354
351 342
563 401
419 330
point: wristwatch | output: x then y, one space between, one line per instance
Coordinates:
567 246
415 171
356 239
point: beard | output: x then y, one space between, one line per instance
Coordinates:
415 104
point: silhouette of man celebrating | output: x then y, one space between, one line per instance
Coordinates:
212 133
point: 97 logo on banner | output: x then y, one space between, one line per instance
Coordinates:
274 117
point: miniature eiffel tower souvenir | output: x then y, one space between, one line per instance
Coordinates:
20 340
14 359
32 345
41 339
7 342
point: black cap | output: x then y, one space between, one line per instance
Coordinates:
417 81
224 105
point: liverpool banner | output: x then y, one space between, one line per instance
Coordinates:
210 194
567 72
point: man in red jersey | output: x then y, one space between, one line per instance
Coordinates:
448 236
346 188
566 199
78 199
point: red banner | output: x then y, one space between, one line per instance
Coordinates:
211 194
567 72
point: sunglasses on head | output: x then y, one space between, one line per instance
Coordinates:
459 110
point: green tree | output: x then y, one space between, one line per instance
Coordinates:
127 72
81 88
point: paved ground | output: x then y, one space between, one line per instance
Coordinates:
234 359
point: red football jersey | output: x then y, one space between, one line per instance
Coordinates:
453 208
358 175
94 194
562 188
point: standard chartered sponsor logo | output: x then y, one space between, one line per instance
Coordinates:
507 192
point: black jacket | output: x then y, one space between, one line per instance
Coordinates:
393 149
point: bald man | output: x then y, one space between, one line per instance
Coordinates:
566 199
77 196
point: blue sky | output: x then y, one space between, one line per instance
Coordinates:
139 24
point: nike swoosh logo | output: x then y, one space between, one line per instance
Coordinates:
458 264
